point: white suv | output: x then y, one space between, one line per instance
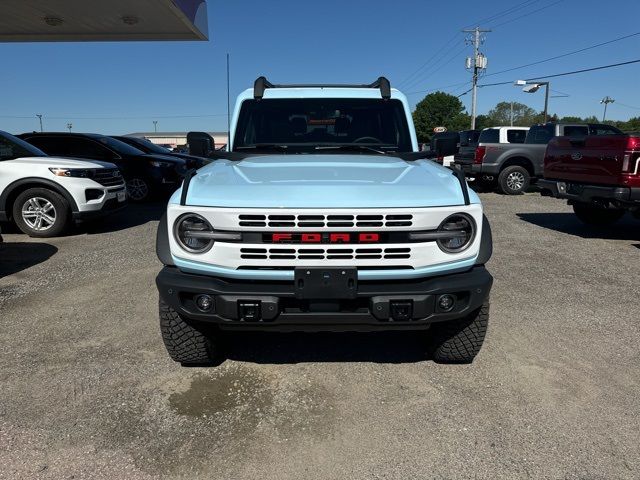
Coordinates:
43 194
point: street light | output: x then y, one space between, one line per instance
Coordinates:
69 126
155 126
533 87
39 115
606 100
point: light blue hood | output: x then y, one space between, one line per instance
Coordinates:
324 181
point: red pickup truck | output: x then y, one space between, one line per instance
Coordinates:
599 175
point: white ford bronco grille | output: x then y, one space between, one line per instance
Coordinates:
323 221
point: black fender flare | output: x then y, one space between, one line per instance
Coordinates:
35 182
486 242
163 251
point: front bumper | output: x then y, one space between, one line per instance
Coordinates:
273 305
113 200
469 169
585 193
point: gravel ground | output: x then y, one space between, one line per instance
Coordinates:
88 391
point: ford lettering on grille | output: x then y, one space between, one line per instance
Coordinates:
326 237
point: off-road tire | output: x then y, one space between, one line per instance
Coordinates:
62 212
459 341
592 215
185 343
507 182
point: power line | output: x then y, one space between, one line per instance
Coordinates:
72 117
448 42
447 61
439 88
526 14
565 54
574 72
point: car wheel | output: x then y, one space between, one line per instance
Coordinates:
40 212
514 180
459 341
186 342
593 215
138 189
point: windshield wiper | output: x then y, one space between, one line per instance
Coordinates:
264 146
353 147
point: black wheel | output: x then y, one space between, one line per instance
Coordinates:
514 180
593 215
186 343
138 189
460 341
40 212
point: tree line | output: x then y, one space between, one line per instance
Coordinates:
441 109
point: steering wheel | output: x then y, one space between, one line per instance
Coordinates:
369 140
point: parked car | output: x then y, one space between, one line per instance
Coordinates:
43 194
467 138
149 147
598 175
146 175
496 139
514 166
322 217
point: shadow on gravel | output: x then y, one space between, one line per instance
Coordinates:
15 257
625 229
279 348
131 216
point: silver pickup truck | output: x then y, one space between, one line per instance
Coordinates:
514 166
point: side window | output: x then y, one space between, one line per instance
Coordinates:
49 145
86 148
516 136
603 130
490 135
576 131
540 134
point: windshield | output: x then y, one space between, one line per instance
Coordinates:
13 147
143 144
119 147
309 123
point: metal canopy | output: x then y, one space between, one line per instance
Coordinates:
102 20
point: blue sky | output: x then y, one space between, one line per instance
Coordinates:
122 87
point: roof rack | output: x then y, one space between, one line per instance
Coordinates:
261 84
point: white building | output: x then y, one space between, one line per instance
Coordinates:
173 139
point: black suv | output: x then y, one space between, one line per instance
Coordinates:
149 147
145 174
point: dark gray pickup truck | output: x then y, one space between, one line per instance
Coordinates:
514 166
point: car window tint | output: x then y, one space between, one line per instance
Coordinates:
603 130
540 134
12 147
516 136
576 131
50 145
489 135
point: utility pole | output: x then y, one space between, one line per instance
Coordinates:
606 100
478 62
155 126
228 105
511 115
39 115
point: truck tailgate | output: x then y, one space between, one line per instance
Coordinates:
591 159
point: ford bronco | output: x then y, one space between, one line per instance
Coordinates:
323 215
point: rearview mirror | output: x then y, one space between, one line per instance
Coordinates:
444 144
200 144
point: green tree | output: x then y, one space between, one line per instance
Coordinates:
439 109
571 119
523 115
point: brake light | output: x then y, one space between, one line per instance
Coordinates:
480 153
631 159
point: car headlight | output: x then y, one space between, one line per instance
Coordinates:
193 233
156 163
73 172
462 228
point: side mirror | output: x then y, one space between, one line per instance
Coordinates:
200 144
444 144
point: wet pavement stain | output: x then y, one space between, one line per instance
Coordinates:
230 389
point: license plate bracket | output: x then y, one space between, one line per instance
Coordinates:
326 283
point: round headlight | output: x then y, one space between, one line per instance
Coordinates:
463 230
192 233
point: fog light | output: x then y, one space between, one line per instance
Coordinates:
446 302
204 302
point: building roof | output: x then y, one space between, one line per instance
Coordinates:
102 20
